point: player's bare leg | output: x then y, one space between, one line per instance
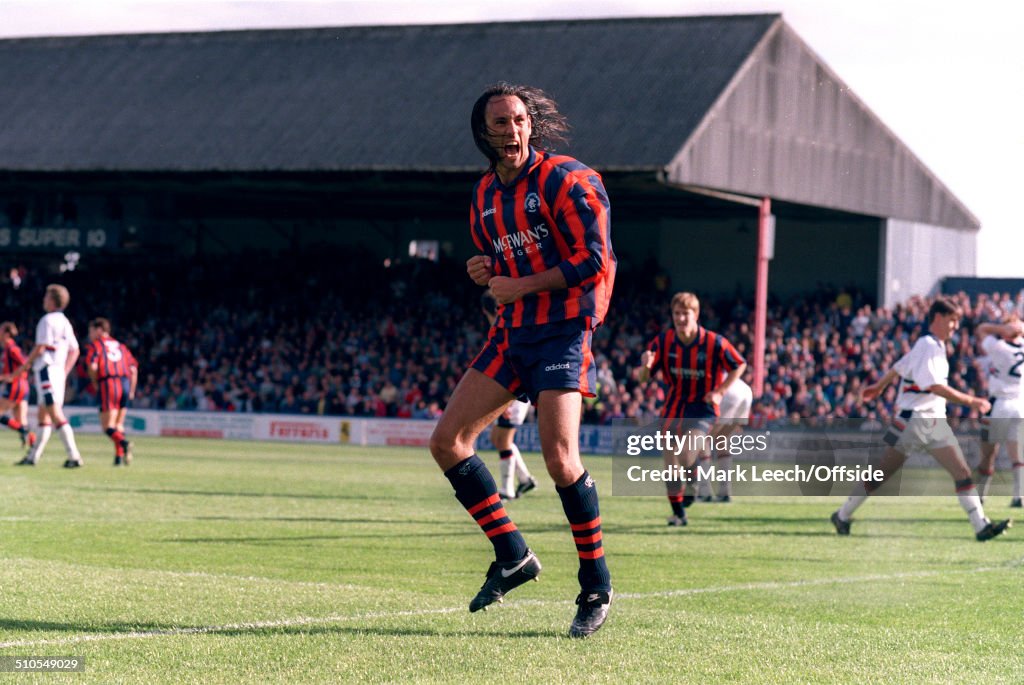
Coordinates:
476 402
986 466
558 422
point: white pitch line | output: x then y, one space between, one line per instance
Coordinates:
340 618
782 585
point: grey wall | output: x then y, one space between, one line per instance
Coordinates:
916 257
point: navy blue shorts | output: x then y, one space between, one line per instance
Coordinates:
530 359
696 416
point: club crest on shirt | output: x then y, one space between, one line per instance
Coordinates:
532 203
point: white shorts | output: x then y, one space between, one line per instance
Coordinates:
735 407
50 381
909 432
515 415
1005 422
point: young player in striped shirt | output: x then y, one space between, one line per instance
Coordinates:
699 367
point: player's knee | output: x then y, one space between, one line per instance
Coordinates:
960 472
563 473
439 445
564 466
445 441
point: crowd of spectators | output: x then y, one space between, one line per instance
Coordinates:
820 351
334 332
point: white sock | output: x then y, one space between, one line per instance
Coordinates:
522 473
1018 481
970 500
67 436
724 464
45 431
508 472
703 484
857 497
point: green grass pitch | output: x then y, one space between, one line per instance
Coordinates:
232 562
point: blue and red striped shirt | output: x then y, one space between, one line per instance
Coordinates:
12 358
112 358
691 371
554 214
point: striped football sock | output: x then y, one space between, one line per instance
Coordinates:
476 491
579 501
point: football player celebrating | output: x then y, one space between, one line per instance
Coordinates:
541 224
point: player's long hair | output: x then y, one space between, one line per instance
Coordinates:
549 125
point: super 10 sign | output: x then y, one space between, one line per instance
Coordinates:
56 238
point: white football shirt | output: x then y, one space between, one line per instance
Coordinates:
1005 367
924 366
56 333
